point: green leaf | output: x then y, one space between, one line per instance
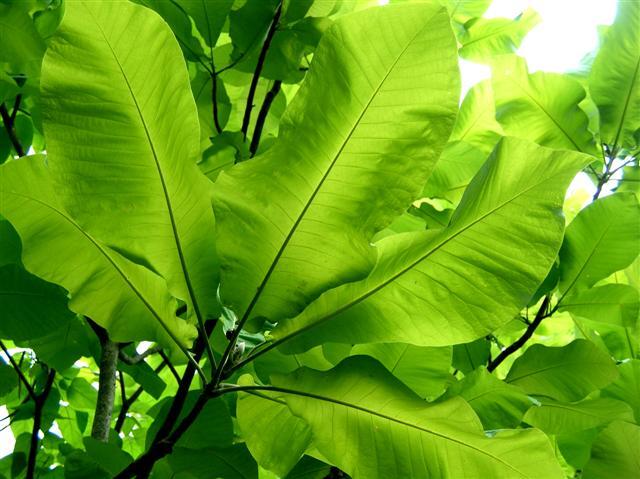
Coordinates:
109 456
58 250
454 285
208 15
555 417
627 387
476 123
131 179
276 438
601 240
541 107
8 379
363 420
10 247
498 405
484 38
617 304
81 395
463 10
31 307
425 370
467 357
212 428
615 452
366 124
614 81
565 373
21 43
309 468
458 164
232 462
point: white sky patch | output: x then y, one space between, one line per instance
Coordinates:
567 32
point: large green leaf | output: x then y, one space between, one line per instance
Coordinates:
31 307
208 15
476 123
555 417
372 426
484 38
541 107
425 370
498 405
355 146
614 81
122 137
566 373
615 452
19 38
276 438
627 387
617 304
455 285
602 239
56 248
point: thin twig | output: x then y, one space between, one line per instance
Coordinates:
19 372
131 360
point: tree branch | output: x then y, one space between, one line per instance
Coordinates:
106 384
214 101
262 116
142 466
8 126
256 74
39 401
540 315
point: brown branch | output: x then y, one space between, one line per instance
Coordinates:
259 65
262 116
508 351
8 126
39 401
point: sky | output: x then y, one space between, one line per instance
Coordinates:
567 32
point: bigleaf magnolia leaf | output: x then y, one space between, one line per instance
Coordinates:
614 81
57 249
497 404
476 123
372 426
123 138
555 417
566 373
617 304
627 386
437 288
276 438
615 452
484 38
356 145
541 107
31 307
602 239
